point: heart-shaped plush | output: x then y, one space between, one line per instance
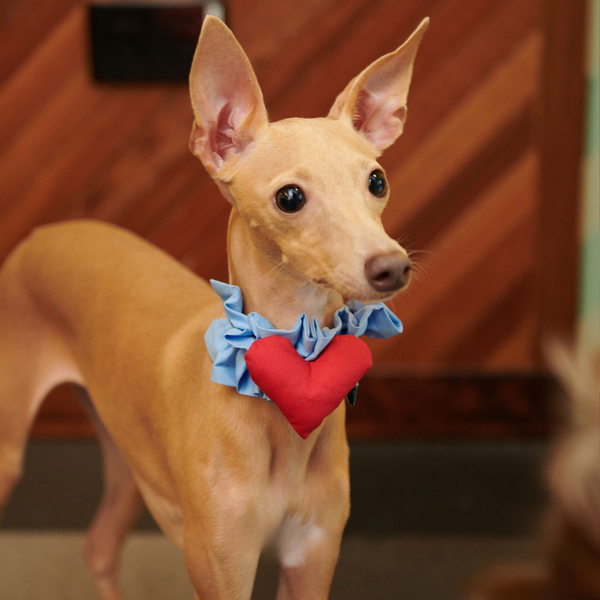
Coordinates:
307 392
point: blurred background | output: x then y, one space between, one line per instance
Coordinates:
494 187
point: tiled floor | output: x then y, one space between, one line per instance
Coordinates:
48 566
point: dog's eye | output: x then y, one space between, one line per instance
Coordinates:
290 199
377 183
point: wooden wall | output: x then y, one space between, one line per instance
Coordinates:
467 176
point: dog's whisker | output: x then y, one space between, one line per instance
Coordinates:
418 278
411 252
419 272
280 270
391 301
279 266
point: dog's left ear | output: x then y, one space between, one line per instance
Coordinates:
375 101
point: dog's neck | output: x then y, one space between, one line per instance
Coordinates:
278 292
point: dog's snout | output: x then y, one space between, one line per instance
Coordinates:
388 272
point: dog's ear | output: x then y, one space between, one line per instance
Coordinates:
375 101
226 99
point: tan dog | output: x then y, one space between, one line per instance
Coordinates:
83 302
570 566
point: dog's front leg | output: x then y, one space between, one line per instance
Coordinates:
307 574
222 545
225 568
309 546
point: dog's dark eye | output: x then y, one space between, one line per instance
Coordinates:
290 199
377 183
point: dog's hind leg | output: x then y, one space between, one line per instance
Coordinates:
32 362
119 508
15 398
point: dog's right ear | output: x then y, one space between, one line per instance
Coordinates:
227 102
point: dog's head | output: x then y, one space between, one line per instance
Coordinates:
310 191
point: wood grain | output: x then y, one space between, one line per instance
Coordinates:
394 404
483 180
561 106
471 405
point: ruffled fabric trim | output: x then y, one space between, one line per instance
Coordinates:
229 338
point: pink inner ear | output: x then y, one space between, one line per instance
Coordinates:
365 106
379 118
224 138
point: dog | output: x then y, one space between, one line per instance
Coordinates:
570 565
91 304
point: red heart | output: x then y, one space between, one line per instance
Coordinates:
307 392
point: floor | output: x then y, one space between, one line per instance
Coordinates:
49 566
426 517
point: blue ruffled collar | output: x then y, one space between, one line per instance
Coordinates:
228 339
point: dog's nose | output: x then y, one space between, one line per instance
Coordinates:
388 272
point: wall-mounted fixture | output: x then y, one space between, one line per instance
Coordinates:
146 42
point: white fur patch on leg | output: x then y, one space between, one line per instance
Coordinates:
296 539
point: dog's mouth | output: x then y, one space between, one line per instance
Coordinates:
371 298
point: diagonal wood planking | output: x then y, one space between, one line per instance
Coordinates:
464 175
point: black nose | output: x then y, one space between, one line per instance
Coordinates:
388 272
